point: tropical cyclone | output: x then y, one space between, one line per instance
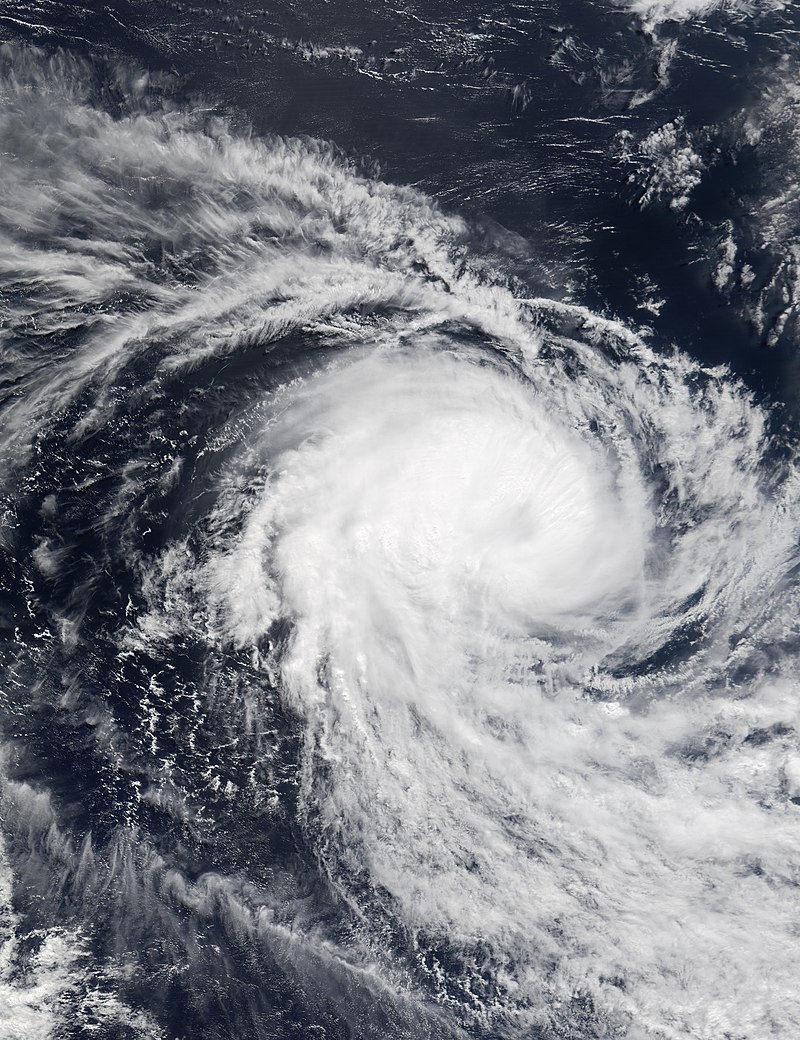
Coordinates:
518 581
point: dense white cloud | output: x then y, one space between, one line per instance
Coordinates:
476 564
654 12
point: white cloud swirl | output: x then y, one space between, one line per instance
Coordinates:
524 582
491 572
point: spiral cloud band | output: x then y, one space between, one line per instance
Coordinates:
485 601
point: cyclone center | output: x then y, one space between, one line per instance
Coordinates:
436 488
